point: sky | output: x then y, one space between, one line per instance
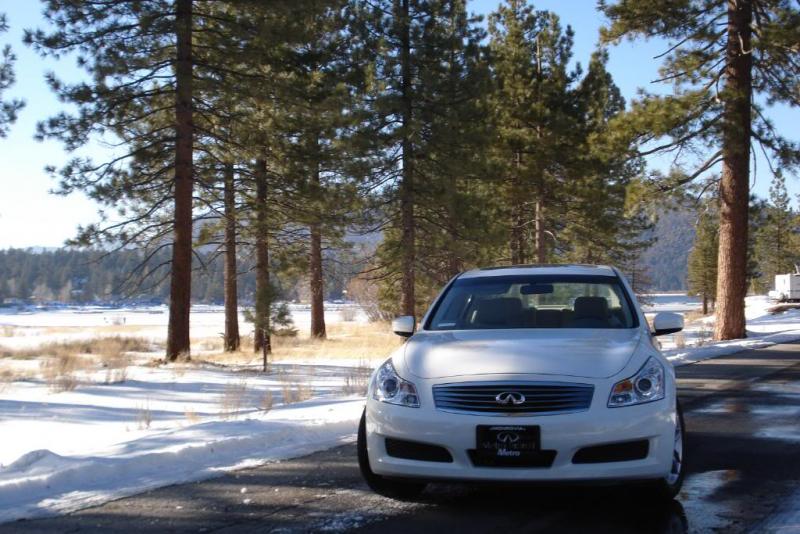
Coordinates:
30 216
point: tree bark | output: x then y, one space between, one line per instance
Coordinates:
735 182
517 247
232 340
178 344
316 282
539 215
408 223
539 222
262 341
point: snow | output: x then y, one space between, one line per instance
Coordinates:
43 482
764 329
33 328
177 423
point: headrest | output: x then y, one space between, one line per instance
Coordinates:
548 318
498 311
590 307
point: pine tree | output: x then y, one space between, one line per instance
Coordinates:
604 219
140 59
8 108
531 113
419 97
721 56
702 268
315 89
776 247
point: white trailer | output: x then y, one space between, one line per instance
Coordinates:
787 288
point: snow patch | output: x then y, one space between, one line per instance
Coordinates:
43 483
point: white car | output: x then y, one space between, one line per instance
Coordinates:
526 374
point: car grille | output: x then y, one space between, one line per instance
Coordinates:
528 398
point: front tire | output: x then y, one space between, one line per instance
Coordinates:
669 486
394 489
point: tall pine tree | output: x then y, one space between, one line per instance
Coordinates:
533 121
722 60
8 108
775 241
702 268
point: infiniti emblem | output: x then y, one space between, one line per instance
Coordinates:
507 437
510 397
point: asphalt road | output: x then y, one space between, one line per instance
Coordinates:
743 462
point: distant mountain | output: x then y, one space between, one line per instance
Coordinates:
666 260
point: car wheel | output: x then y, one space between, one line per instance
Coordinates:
669 486
388 487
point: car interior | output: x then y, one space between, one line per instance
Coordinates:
535 306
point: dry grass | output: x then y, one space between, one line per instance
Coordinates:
192 416
7 331
348 314
6 377
294 389
692 316
266 401
61 371
101 347
354 341
144 417
680 340
357 380
232 399
63 362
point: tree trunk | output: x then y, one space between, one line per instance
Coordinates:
539 215
540 247
705 303
517 203
408 223
735 182
262 341
178 344
316 282
232 340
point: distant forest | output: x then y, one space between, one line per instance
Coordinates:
82 277
78 276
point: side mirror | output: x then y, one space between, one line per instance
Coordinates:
404 326
667 323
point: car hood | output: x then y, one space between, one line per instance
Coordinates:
586 353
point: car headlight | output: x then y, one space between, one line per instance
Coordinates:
388 387
645 386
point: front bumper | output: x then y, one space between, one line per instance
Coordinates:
563 433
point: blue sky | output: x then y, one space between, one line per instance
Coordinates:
31 216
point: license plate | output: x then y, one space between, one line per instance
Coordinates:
508 441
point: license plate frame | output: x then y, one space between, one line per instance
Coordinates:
508 441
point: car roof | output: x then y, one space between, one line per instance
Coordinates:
543 269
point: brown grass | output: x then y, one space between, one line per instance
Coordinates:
294 389
101 347
61 371
357 380
63 362
692 316
232 399
356 341
266 401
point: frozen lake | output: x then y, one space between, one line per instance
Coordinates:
672 302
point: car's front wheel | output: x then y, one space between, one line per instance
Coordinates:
388 487
669 486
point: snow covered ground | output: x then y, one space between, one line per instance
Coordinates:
764 328
61 451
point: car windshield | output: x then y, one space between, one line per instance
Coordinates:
534 301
